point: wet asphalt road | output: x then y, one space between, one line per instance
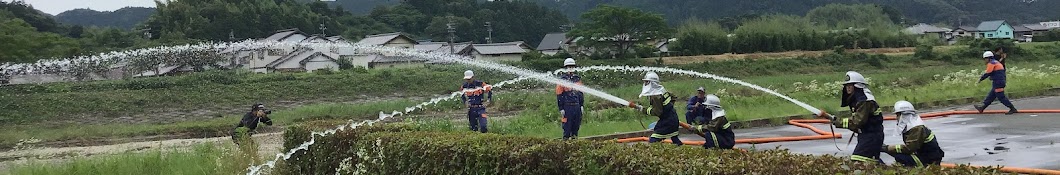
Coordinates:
1019 140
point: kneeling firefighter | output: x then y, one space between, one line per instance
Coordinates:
718 131
867 119
921 148
661 104
245 129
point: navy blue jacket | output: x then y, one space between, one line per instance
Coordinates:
475 91
566 96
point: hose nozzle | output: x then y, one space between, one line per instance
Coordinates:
826 115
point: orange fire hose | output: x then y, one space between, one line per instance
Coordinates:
828 135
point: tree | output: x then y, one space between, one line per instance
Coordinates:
616 29
697 38
438 28
842 16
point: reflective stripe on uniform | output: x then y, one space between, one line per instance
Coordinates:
862 158
715 138
898 148
846 123
727 124
665 136
930 138
917 160
667 100
647 110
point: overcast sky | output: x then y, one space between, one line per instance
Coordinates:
55 7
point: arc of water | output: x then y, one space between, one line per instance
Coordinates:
305 146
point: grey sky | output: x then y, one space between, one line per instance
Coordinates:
55 7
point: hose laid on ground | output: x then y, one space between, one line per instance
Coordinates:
829 135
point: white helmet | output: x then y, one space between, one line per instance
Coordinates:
468 74
903 106
988 54
651 76
856 78
712 101
568 62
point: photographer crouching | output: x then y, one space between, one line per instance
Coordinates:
245 129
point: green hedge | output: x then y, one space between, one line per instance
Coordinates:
400 149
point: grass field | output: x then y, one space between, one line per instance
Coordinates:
813 80
916 85
894 78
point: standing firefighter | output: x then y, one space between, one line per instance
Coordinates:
717 132
570 102
867 119
247 125
996 72
921 148
660 104
696 113
474 91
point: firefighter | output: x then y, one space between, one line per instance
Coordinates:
258 114
477 95
717 131
866 121
695 112
570 102
996 72
660 104
920 147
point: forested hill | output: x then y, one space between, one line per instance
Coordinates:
951 12
124 18
928 11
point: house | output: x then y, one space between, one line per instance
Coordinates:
1021 32
663 46
965 31
497 52
396 39
552 43
441 47
305 60
925 29
265 60
1037 29
995 29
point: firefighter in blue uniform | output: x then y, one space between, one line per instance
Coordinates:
866 121
570 102
996 72
920 147
717 130
695 112
477 95
660 104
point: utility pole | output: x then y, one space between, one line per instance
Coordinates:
489 28
452 36
323 28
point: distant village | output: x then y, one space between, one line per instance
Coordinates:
999 29
306 59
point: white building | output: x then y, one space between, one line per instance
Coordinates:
295 59
497 52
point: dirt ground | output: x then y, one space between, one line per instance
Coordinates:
269 144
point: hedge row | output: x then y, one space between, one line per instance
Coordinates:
400 149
